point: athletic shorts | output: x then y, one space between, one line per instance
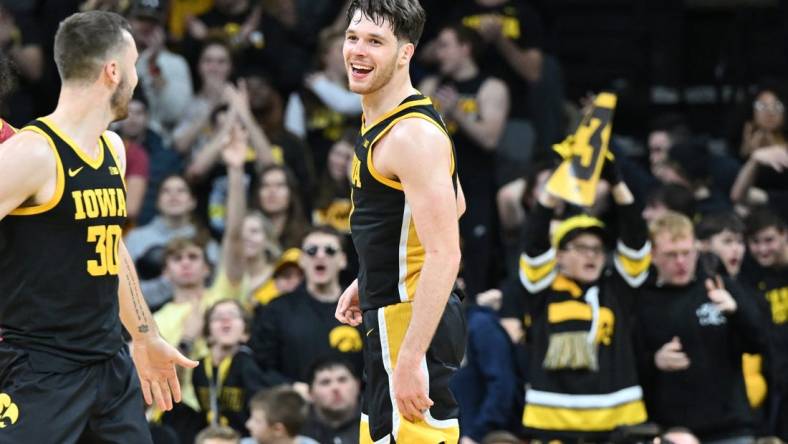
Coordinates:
380 419
103 399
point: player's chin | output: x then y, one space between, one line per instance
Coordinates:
360 87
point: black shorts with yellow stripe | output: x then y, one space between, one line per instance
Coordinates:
385 329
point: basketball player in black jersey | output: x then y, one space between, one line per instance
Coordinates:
406 203
66 279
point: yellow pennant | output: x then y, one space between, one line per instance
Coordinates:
584 152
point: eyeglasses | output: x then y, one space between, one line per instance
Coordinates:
312 250
775 107
588 250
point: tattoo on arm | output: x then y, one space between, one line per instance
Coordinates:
136 300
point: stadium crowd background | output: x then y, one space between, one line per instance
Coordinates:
699 129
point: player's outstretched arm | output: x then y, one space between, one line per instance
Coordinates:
419 154
153 357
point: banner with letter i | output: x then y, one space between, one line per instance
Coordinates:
584 153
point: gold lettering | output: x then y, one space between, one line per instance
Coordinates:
79 209
91 203
356 173
121 203
106 204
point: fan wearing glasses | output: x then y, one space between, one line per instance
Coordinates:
294 330
582 364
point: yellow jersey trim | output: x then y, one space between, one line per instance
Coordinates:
115 158
60 181
365 128
393 183
93 163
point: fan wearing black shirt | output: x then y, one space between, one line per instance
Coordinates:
693 329
296 329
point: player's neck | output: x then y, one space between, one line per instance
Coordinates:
467 71
386 98
82 120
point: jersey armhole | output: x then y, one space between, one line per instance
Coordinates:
393 183
60 181
115 158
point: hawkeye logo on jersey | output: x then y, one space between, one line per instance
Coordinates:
100 202
113 171
9 412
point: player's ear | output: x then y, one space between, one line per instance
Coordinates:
406 53
112 72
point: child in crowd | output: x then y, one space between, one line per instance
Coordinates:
276 417
228 376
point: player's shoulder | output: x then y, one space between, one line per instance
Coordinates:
115 140
27 145
417 135
418 129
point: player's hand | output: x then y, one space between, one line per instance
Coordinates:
348 307
155 361
410 389
670 358
721 298
467 440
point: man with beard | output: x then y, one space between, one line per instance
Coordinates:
406 201
65 275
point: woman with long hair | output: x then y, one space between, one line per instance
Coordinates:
278 199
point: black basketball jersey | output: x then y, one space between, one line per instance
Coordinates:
59 261
389 251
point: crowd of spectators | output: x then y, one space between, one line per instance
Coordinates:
666 302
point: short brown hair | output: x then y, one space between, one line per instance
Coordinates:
677 225
281 405
406 17
217 432
179 244
84 40
761 218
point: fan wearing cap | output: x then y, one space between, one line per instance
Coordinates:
582 365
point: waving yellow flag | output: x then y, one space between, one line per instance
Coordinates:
584 152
